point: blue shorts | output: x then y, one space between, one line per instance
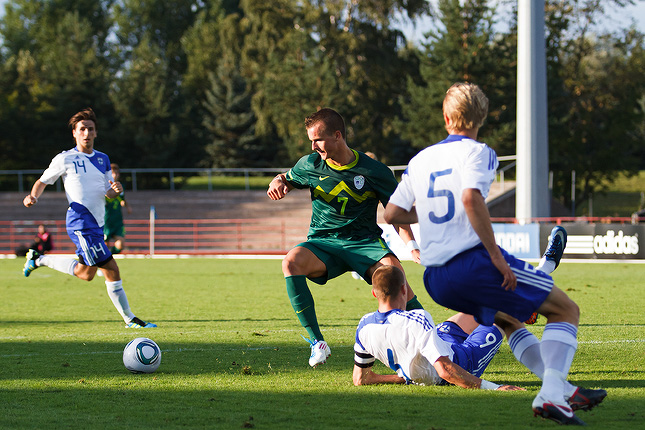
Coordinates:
475 351
470 283
90 246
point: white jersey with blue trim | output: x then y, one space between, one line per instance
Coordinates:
434 180
405 341
86 179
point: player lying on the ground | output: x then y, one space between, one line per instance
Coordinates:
456 351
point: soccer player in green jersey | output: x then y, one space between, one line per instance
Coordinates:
346 187
114 230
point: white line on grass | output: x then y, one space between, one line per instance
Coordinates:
262 348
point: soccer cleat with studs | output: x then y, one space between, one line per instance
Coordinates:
557 243
319 352
532 319
585 399
138 323
561 414
30 264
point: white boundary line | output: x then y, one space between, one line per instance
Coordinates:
262 348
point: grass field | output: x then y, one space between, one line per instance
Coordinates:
233 356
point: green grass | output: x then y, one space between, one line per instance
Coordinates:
233 356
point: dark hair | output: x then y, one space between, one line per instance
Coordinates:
387 281
86 114
332 121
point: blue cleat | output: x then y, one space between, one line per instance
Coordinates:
30 264
138 323
557 243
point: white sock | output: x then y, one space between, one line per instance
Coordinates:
547 266
557 348
120 300
57 262
526 348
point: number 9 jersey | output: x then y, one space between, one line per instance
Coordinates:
435 179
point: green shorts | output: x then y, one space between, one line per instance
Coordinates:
341 255
110 231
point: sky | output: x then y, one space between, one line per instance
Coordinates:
620 18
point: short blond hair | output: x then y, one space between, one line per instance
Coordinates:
466 106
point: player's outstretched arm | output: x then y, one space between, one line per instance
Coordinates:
365 376
279 187
457 375
36 191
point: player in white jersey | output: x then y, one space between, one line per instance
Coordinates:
466 270
409 343
87 179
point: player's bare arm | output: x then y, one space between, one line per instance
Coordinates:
365 376
397 215
279 187
405 232
36 191
456 375
479 218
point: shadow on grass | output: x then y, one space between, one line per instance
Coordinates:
265 385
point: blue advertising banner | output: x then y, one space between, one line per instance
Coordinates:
522 241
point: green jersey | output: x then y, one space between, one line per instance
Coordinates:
113 214
344 199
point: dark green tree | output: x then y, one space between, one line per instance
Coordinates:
464 47
595 92
56 63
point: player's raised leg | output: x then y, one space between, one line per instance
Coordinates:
299 264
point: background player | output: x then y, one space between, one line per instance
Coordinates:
456 351
346 187
465 269
87 179
113 229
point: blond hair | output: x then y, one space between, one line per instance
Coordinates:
466 106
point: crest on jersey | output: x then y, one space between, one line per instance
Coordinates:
359 181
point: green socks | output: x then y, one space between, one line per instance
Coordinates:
413 303
303 304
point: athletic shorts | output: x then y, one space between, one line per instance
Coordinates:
90 246
340 255
472 352
110 231
470 283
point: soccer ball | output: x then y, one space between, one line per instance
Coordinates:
141 355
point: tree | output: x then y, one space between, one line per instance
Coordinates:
230 121
596 89
56 64
464 47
